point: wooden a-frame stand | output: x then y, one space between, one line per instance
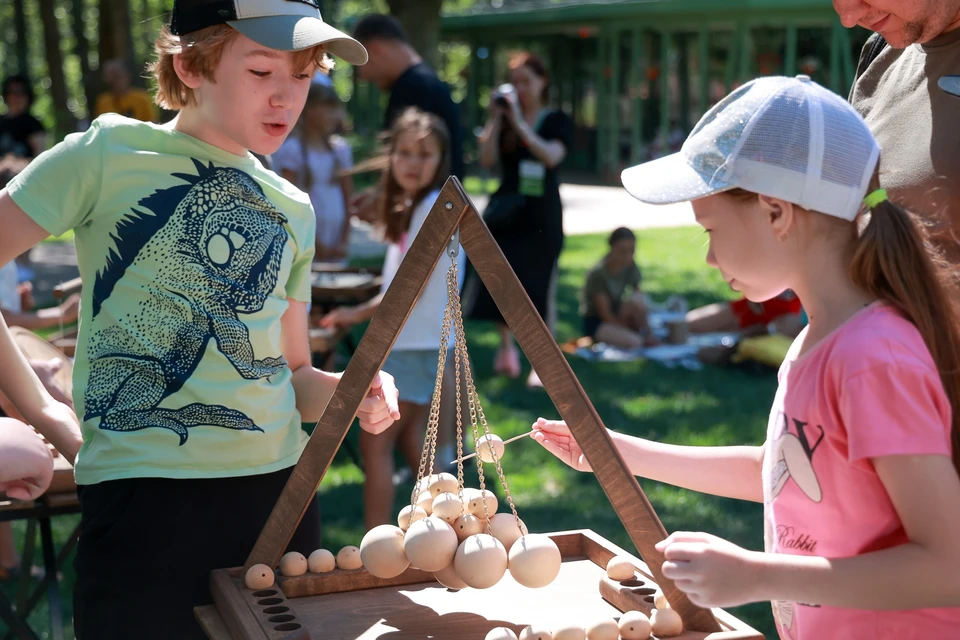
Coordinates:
454 209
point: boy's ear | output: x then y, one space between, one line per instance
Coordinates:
780 213
187 75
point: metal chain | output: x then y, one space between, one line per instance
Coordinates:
433 421
476 410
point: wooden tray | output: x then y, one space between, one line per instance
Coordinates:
344 605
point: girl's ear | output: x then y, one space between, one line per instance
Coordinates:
781 215
187 75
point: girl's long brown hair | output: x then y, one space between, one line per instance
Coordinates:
395 211
895 261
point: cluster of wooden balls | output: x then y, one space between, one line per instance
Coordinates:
292 564
632 625
444 533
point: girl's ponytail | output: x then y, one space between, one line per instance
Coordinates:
894 261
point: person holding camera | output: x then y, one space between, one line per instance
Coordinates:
525 215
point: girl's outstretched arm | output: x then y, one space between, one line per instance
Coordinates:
922 573
731 472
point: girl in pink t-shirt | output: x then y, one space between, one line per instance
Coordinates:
858 474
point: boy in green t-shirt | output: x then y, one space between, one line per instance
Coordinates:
193 369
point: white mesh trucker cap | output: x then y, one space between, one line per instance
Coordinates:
284 25
786 138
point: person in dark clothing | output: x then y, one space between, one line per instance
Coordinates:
529 140
22 137
398 70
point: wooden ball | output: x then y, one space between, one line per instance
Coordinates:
448 577
348 558
569 632
447 506
501 633
481 561
259 576
404 520
660 600
468 525
666 623
505 529
490 447
321 561
293 564
604 630
442 483
477 502
467 494
425 501
535 561
620 568
536 632
634 625
381 551
430 544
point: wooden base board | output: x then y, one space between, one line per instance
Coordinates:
352 605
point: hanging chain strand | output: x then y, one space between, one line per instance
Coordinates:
430 438
453 292
476 410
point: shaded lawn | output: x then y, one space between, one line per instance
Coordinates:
709 407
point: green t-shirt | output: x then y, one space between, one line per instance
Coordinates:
614 286
188 254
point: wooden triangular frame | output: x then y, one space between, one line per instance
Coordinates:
453 209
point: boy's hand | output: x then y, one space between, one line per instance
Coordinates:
60 425
380 408
26 464
711 571
556 438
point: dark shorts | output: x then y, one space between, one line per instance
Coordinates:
148 545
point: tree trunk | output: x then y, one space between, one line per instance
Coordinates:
421 21
58 83
89 79
20 25
116 40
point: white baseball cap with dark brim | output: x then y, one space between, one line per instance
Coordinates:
786 138
950 84
284 25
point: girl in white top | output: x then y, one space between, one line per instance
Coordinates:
419 165
314 159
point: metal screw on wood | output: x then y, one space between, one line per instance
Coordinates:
448 206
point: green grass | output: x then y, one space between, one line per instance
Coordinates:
708 407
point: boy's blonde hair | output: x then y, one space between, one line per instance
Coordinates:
202 54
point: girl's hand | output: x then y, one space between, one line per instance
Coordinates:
339 317
555 437
711 571
26 464
380 408
513 114
70 310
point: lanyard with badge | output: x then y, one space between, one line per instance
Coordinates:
533 173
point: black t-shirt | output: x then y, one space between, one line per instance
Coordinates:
15 134
420 87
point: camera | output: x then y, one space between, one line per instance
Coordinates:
500 95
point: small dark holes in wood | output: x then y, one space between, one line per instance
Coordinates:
648 599
265 593
285 618
644 591
266 602
273 610
633 582
287 626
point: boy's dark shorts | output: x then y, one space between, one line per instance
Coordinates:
147 547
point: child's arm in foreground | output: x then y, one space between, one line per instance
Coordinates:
925 570
26 464
349 316
732 472
17 379
314 388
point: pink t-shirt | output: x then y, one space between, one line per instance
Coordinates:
869 389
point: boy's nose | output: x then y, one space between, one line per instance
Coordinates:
850 11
